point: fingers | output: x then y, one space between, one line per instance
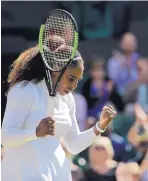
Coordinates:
50 120
110 111
51 126
108 107
50 131
111 115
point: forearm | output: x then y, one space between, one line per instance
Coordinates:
144 164
133 136
145 126
81 141
14 137
77 141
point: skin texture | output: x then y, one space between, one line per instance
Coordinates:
142 66
101 155
128 43
128 172
68 83
69 80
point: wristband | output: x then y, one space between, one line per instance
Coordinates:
99 129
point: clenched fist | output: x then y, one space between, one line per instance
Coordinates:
45 127
107 115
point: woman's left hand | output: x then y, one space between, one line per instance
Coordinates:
107 115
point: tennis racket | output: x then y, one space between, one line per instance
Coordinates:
58 43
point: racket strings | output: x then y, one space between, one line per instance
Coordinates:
57 38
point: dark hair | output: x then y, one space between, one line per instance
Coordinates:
97 62
30 67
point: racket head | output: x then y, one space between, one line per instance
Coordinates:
58 39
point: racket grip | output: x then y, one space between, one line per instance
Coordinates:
51 103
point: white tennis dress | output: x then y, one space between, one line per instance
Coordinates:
28 158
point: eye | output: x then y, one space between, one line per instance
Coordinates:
70 79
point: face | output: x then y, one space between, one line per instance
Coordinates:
135 177
142 66
129 43
69 80
98 154
97 73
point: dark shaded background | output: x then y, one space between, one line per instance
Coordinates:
21 22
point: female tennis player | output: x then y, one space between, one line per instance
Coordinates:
32 140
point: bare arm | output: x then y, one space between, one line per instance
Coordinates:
144 164
133 136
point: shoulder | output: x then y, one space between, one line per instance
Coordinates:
21 92
112 59
131 85
21 88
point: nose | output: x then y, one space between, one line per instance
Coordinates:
73 85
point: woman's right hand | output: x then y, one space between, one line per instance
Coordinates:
45 127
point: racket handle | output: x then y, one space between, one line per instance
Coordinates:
51 104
